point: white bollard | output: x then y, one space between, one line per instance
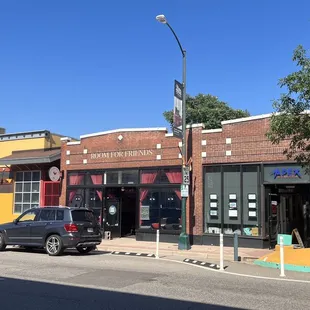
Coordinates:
157 243
221 252
282 274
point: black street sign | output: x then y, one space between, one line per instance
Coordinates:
186 176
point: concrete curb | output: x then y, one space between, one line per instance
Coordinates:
286 266
133 254
164 252
201 264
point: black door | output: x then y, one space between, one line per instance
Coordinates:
113 217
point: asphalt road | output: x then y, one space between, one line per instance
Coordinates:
103 281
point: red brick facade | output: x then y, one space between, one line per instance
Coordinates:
239 141
248 143
121 144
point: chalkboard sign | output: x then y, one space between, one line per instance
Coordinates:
297 235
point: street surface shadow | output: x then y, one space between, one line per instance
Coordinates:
67 252
35 295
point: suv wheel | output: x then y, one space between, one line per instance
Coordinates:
86 249
53 245
2 242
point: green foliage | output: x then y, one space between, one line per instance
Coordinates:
291 121
207 109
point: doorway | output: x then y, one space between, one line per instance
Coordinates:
286 211
121 216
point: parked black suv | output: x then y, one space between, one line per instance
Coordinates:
53 228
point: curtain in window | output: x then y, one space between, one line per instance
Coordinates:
146 178
74 180
97 180
175 177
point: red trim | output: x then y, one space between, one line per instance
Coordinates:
42 193
52 196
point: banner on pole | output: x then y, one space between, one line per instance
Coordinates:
177 110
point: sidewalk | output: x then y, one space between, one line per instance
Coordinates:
252 270
210 254
199 252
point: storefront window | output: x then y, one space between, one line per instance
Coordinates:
160 209
161 176
95 203
27 190
112 177
130 177
76 178
76 198
213 200
96 179
170 210
149 208
250 201
232 200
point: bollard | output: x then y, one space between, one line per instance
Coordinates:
236 256
282 274
221 252
157 243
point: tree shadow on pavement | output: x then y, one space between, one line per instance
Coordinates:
26 295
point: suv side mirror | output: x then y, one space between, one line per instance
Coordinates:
15 221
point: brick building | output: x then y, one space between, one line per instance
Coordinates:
240 182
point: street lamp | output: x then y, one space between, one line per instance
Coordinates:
183 238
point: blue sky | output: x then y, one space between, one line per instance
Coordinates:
76 67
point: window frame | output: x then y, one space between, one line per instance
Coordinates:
46 210
242 169
37 211
22 182
162 194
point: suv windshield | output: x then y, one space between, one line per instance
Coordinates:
82 216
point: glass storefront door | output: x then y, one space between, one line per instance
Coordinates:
87 198
95 203
112 211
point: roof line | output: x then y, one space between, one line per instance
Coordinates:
123 130
255 117
35 150
24 133
63 136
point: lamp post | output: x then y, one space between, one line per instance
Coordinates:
183 238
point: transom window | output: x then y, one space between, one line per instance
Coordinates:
27 190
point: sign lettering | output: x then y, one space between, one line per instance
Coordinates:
186 176
286 173
121 154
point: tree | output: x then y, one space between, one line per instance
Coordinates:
207 109
291 120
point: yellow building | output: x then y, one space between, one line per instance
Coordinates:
29 171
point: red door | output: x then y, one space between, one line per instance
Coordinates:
51 193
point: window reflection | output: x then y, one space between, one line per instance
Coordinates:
160 209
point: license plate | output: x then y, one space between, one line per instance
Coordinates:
90 230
